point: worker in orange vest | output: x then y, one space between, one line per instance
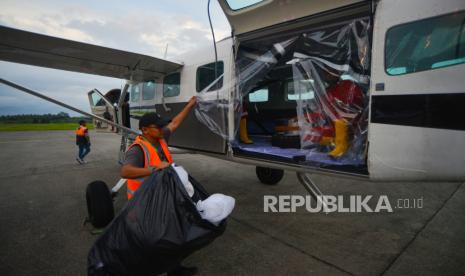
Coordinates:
82 141
149 152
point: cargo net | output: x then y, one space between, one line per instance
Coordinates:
305 93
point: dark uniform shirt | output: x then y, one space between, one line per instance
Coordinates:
135 155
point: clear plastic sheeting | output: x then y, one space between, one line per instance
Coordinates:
332 67
300 96
213 107
319 78
333 119
253 64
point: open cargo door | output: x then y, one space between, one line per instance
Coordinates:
417 126
248 16
305 88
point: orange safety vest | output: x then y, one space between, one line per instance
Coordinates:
81 131
151 160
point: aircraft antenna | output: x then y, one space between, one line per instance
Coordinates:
166 51
214 41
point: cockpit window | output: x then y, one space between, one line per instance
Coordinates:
240 4
171 85
148 90
135 93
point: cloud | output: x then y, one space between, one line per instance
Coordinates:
143 28
149 33
68 87
135 30
53 24
179 41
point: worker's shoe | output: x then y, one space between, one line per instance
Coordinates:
183 271
341 138
79 160
243 136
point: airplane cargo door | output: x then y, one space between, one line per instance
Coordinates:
417 126
243 15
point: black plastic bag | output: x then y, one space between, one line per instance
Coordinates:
157 229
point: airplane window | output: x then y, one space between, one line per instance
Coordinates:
135 93
97 100
148 90
299 90
397 70
206 75
171 85
260 95
448 62
240 4
425 44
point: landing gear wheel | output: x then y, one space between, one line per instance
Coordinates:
99 204
269 176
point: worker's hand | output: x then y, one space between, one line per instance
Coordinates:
163 165
192 101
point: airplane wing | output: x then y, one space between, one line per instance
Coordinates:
41 50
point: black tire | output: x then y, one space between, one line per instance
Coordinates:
269 176
99 204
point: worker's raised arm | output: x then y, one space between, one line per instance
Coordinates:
177 120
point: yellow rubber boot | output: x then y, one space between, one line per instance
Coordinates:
326 141
243 136
341 138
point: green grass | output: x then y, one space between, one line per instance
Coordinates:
38 127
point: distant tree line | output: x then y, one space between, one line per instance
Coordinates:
61 117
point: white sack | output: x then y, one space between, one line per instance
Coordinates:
216 207
184 179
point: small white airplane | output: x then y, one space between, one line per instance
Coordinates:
406 59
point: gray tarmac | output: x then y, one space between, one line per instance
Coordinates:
42 209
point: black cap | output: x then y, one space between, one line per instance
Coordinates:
152 118
81 122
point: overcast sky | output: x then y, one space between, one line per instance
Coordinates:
143 26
